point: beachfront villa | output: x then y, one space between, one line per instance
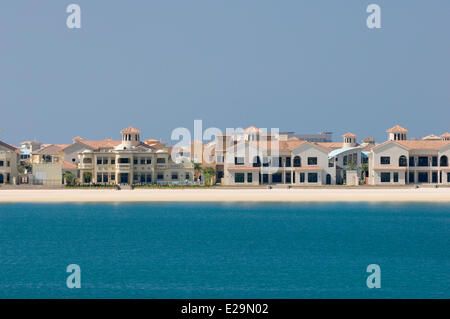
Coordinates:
400 161
246 157
9 158
291 162
131 161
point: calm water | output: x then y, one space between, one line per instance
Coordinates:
224 250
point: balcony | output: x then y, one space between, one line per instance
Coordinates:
123 167
85 165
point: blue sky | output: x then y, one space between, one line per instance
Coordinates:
304 66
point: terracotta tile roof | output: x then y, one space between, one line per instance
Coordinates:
96 145
349 134
397 129
308 168
389 168
68 165
131 129
52 149
330 145
446 134
431 137
8 146
432 145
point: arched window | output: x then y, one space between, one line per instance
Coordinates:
444 160
297 161
402 161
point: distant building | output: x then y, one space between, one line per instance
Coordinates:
323 137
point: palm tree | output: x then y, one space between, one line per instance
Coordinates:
197 169
209 173
364 169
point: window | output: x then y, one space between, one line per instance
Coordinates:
444 161
395 177
422 177
2 163
288 177
256 162
448 177
312 178
148 178
105 178
99 178
160 176
434 161
330 162
99 161
135 178
423 161
219 159
411 177
249 177
238 161
402 161
135 161
265 162
239 177
142 178
312 160
125 160
276 178
105 161
142 161
434 177
297 161
113 161
187 176
302 177
411 161
161 161
149 161
174 176
113 177
385 160
280 162
288 162
385 177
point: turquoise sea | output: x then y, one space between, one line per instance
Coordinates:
215 250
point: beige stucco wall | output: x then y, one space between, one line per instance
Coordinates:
10 170
47 174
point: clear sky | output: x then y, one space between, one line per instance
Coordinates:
299 65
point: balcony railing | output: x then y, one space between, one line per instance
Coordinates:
85 165
123 166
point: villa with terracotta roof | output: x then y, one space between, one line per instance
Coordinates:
295 162
256 160
400 161
131 161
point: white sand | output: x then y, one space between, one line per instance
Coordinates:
230 195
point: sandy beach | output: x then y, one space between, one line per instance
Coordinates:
228 195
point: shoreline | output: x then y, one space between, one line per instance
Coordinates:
372 195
